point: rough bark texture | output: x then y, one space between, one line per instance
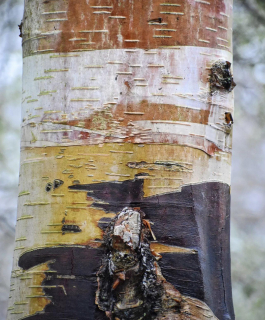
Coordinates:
124 202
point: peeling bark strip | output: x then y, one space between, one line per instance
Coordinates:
126 104
76 26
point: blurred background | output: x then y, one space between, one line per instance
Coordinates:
248 169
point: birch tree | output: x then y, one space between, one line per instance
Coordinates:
123 209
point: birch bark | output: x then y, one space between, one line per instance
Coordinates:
125 104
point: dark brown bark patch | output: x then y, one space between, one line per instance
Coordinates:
74 268
195 218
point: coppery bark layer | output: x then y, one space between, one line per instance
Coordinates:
73 26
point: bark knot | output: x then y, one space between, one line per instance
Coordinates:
221 77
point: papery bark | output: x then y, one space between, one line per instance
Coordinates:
124 106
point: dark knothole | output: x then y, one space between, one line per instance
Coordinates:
57 183
48 186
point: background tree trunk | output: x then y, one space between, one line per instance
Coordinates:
125 104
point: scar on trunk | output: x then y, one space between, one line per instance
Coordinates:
130 283
221 77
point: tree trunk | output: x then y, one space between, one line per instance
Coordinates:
124 200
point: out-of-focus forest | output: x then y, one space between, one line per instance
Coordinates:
248 169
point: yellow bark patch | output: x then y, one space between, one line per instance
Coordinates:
50 206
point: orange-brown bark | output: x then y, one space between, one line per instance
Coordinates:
147 24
